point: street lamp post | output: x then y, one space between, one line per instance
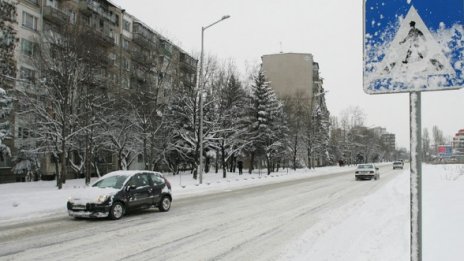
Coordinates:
200 88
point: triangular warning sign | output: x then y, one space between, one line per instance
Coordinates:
413 53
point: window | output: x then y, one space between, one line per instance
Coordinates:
157 180
29 21
139 180
85 20
52 3
125 64
126 25
113 57
125 44
72 17
35 2
27 47
27 74
23 133
125 83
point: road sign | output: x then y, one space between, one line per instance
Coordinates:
413 45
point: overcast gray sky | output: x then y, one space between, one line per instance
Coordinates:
331 30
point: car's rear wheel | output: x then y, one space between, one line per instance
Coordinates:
165 204
117 210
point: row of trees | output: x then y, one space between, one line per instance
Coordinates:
430 143
71 113
351 142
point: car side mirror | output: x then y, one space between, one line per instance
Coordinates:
376 168
131 187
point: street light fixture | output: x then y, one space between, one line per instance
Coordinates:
200 88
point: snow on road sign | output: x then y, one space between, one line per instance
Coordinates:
412 50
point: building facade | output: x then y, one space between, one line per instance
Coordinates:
458 144
295 79
138 57
389 140
292 74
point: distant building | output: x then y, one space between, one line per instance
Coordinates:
379 131
292 74
295 78
458 143
389 140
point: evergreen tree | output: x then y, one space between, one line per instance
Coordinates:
8 41
267 131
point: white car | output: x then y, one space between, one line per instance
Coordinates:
398 165
367 171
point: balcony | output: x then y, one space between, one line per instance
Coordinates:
187 81
143 40
142 36
54 15
84 7
103 37
141 57
166 49
89 6
187 63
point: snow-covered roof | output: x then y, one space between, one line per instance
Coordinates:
127 173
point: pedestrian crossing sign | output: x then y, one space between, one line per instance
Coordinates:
413 45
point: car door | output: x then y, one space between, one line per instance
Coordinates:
140 191
158 185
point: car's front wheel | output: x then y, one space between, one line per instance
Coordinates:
117 210
165 204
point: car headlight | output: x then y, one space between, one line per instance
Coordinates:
102 198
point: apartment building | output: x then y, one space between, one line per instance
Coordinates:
295 78
138 57
458 144
389 140
292 74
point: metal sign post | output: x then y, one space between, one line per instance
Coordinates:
411 47
416 175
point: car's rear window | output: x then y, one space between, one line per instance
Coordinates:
365 166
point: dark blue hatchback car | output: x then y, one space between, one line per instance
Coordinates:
120 191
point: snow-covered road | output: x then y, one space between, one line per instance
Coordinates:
255 223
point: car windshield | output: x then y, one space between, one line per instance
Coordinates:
111 182
366 166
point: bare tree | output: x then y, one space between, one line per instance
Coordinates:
68 63
297 110
426 144
230 103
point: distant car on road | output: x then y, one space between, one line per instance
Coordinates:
367 171
398 164
120 191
